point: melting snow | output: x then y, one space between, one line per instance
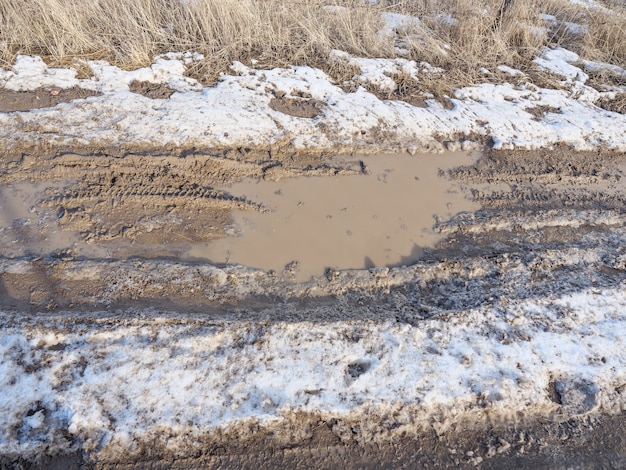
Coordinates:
110 383
236 112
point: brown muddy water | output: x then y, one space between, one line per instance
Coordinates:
29 228
378 211
382 217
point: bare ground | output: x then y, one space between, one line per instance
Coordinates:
577 443
11 101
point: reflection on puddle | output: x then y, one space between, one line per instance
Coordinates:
383 218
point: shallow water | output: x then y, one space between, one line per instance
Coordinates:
27 228
383 217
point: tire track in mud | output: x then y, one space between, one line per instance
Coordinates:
554 224
150 200
552 221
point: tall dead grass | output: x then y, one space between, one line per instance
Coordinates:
130 33
459 35
605 36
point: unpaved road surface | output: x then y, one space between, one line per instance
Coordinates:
96 230
117 215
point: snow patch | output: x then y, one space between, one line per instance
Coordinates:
236 111
559 61
29 73
109 383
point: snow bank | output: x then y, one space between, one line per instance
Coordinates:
112 385
236 112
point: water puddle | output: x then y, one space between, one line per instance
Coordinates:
383 217
29 228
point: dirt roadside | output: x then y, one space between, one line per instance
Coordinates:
596 442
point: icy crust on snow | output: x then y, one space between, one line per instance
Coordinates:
237 113
112 385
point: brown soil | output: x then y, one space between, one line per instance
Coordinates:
11 101
298 107
151 90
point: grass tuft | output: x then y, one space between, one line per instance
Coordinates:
616 104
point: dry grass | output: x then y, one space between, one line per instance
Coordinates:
616 104
604 39
130 33
280 32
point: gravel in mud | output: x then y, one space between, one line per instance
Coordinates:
550 221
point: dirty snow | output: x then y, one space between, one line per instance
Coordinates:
592 5
115 384
236 112
380 72
398 22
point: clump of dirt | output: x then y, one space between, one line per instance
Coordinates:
151 90
11 101
574 394
298 107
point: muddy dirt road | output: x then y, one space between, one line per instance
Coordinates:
553 218
87 232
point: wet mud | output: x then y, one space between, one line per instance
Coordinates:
11 101
382 217
540 215
83 232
